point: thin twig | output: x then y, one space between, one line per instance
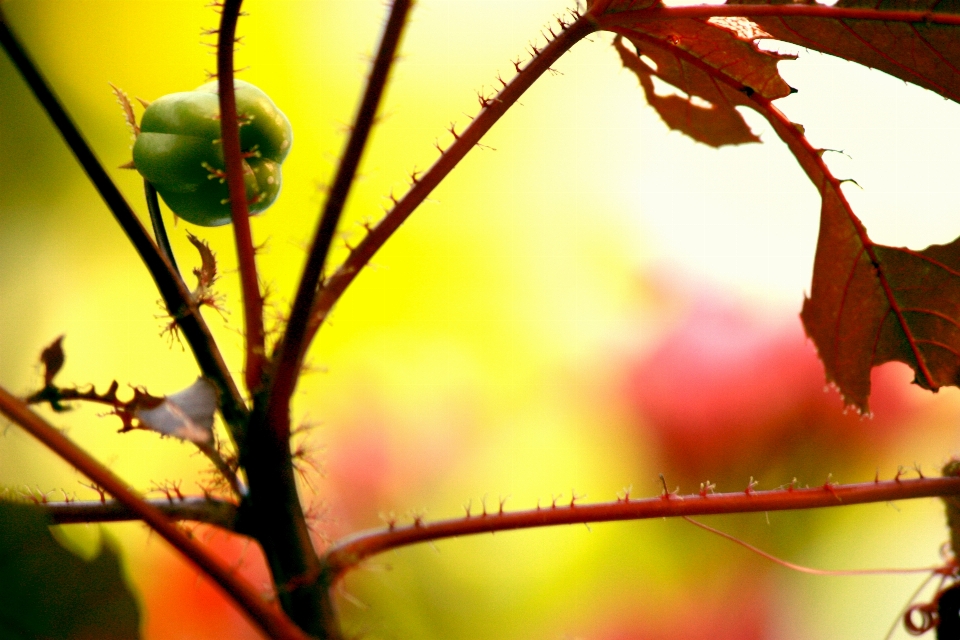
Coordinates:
295 340
350 552
800 568
492 110
233 164
175 295
197 509
156 218
268 618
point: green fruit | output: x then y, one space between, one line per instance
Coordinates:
179 152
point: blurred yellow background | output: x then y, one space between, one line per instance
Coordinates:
501 344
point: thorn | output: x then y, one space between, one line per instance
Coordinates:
503 501
750 486
850 180
574 497
626 494
127 165
900 472
516 64
706 488
663 482
390 519
828 486
555 498
916 468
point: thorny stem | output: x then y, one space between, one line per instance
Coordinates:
295 340
126 411
492 110
348 553
233 164
197 509
176 297
277 519
271 621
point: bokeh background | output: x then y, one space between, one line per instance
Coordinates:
588 303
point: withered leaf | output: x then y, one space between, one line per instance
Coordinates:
127 108
207 272
187 414
52 358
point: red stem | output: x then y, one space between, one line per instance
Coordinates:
493 109
268 618
233 165
194 508
346 554
295 341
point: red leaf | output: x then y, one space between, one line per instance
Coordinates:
716 125
717 63
923 49
870 304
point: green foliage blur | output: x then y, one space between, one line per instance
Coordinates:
566 314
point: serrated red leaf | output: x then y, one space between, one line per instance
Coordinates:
718 63
717 125
869 303
918 50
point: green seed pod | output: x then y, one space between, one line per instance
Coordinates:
179 151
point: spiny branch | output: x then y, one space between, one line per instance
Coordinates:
233 163
197 509
344 555
493 109
295 340
267 618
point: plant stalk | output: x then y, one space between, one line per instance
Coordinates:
271 621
